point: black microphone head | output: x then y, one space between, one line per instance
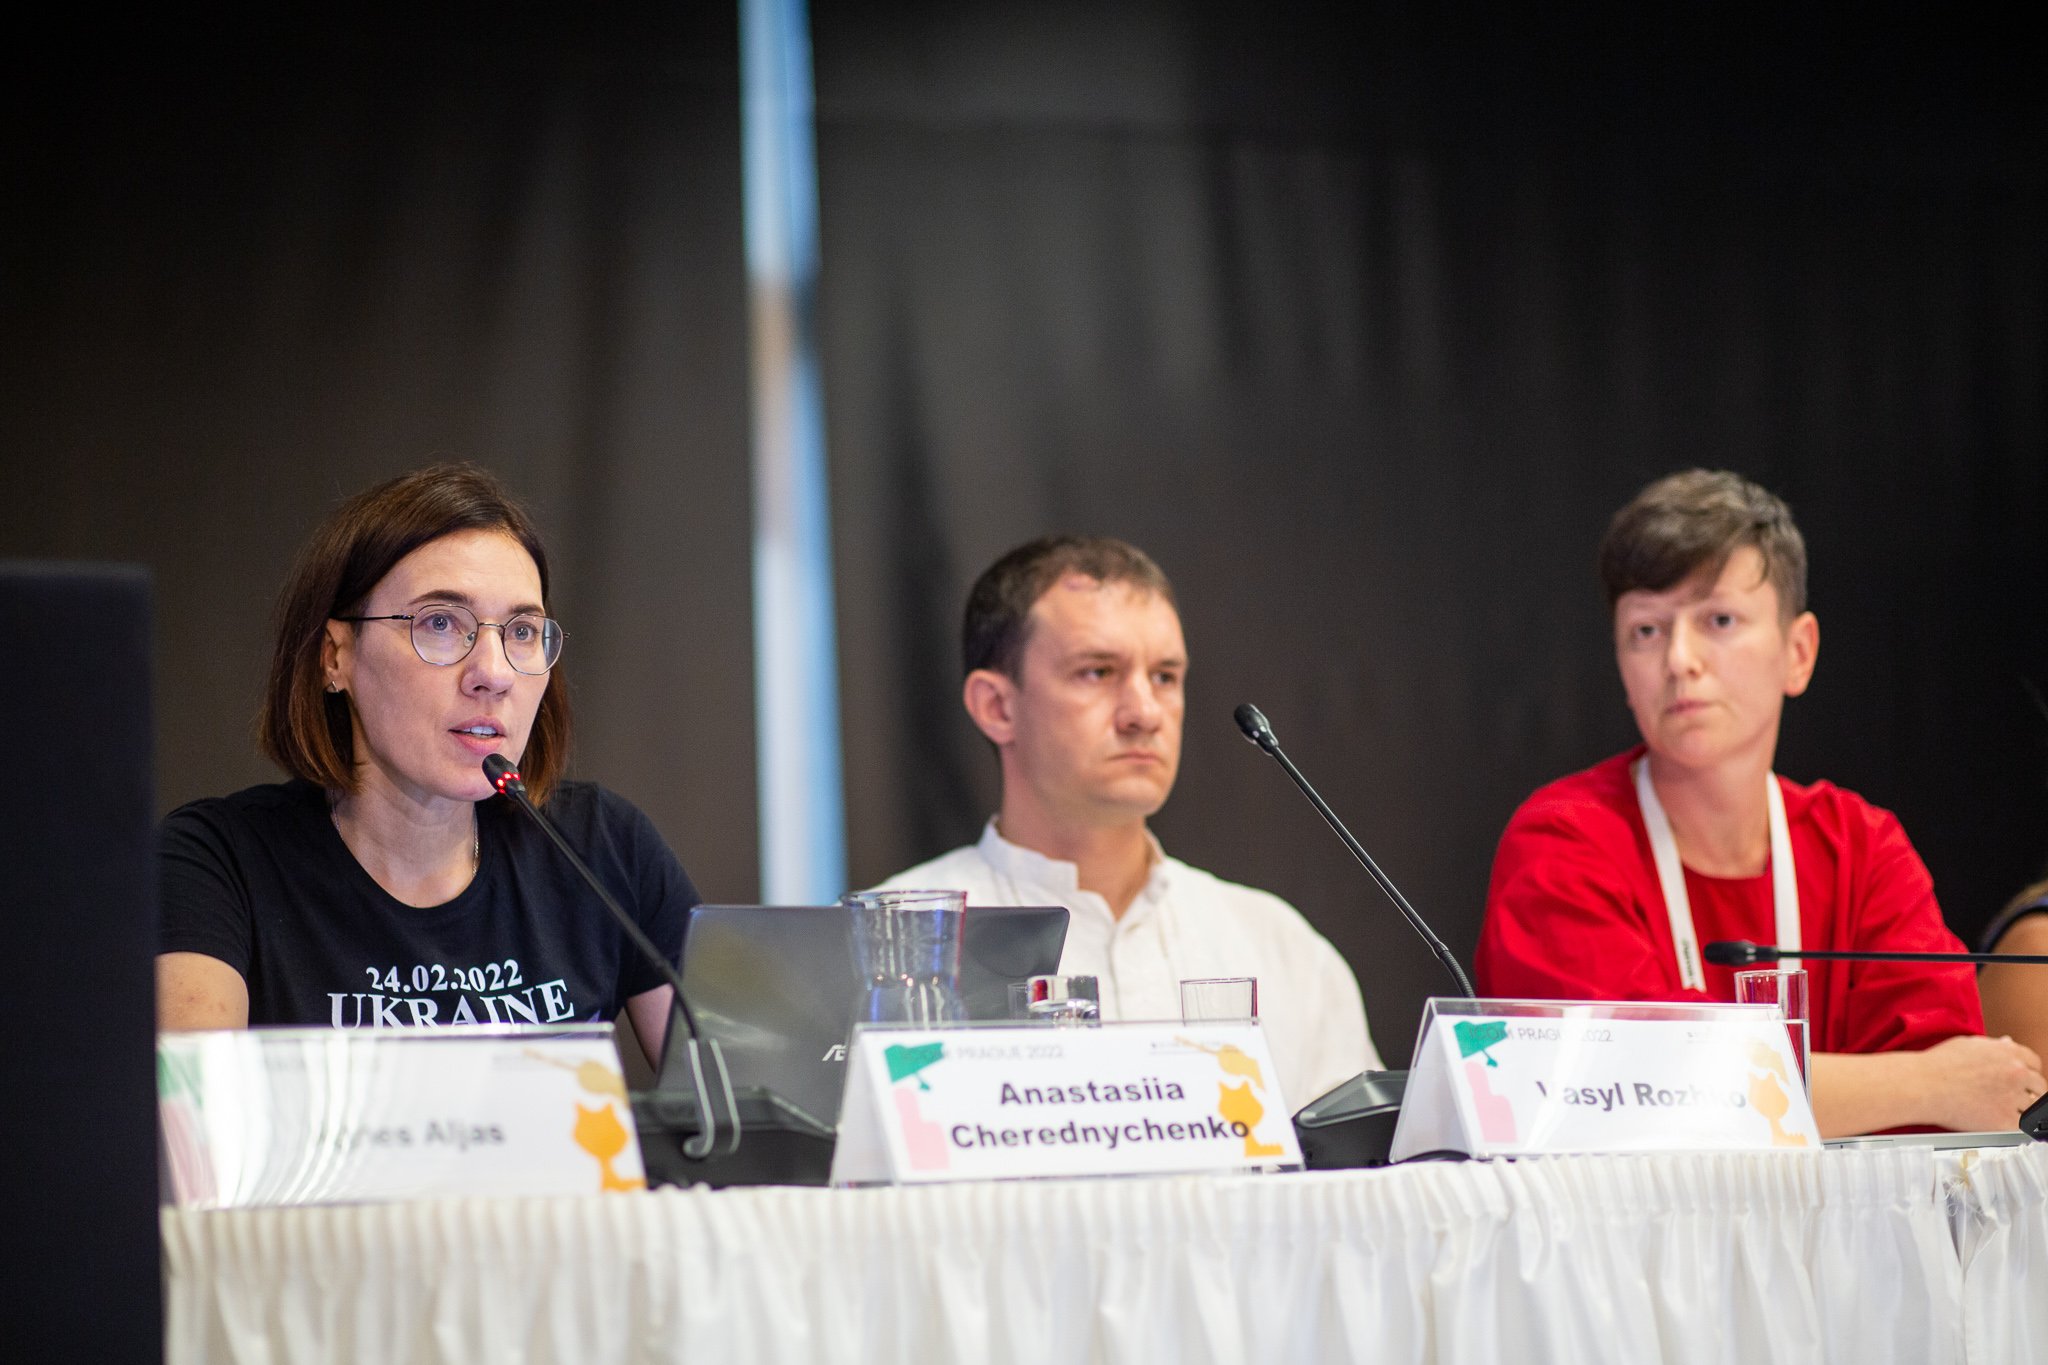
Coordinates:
504 777
1739 952
1256 727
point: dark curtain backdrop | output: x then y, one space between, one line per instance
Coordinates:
1361 326
251 267
1364 330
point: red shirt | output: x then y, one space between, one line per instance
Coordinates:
1575 912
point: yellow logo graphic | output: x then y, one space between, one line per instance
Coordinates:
598 1131
1240 1105
1767 1093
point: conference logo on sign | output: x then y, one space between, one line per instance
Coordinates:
1238 1101
600 1132
924 1139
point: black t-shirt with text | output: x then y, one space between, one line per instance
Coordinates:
262 881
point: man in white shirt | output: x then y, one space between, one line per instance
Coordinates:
1075 672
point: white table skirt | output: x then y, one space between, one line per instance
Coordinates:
2002 1240
1856 1256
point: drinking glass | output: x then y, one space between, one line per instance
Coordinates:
1786 989
908 945
1219 998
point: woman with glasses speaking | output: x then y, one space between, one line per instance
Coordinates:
386 884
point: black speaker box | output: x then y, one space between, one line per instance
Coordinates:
79 1249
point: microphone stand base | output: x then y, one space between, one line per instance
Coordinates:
1353 1125
779 1143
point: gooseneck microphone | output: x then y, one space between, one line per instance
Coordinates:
713 1095
1740 952
1260 732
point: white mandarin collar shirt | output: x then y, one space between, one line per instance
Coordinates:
1184 923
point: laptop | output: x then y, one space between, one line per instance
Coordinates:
1940 1142
780 989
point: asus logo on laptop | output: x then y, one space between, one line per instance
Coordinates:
834 1053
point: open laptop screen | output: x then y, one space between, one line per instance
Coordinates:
780 989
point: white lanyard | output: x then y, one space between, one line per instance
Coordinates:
1685 939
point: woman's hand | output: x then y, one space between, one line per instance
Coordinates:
1978 1084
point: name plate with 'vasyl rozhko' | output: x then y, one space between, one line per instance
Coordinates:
1510 1078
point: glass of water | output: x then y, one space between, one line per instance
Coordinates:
908 945
1785 989
1219 998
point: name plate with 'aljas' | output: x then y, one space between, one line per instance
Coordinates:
1509 1077
311 1116
982 1103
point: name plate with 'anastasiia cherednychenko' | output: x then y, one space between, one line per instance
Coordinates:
312 1116
980 1103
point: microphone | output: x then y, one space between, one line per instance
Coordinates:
1740 952
1260 732
697 1053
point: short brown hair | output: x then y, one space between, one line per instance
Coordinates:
998 621
306 730
1694 520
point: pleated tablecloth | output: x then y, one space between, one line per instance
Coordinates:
1885 1254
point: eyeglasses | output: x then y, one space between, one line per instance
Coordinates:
444 634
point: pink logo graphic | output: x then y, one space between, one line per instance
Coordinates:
925 1140
1496 1115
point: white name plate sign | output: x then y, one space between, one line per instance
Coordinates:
986 1103
1508 1078
316 1116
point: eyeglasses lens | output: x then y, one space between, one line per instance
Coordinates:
445 635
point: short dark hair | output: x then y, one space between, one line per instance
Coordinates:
1694 520
998 621
307 730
